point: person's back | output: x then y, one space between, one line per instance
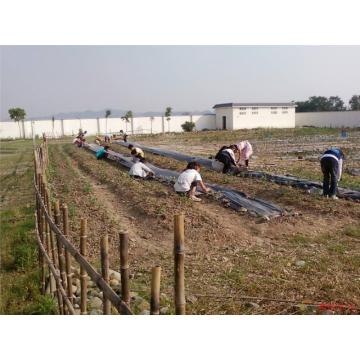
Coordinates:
331 163
102 152
335 152
139 169
185 179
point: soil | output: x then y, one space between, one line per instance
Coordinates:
228 254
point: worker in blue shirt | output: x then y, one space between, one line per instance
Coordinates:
102 152
331 166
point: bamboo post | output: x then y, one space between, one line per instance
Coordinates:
83 275
179 264
53 253
124 267
67 254
47 238
52 240
155 291
43 265
104 252
41 234
61 256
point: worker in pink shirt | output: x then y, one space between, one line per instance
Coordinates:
245 150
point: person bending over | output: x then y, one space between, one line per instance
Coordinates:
135 151
188 181
102 152
331 166
140 171
226 156
245 150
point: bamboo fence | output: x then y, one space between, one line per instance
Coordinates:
57 254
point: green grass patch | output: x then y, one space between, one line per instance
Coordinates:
352 231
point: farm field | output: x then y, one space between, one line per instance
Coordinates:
235 263
311 255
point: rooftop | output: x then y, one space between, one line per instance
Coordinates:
253 104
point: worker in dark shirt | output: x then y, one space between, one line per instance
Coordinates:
331 166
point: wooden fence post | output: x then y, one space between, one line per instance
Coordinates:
155 291
83 274
67 254
179 264
124 267
53 253
104 252
60 249
41 234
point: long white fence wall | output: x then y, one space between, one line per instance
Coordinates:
70 127
328 119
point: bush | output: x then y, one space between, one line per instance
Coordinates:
188 126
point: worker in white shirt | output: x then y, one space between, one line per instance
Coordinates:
188 181
226 156
140 171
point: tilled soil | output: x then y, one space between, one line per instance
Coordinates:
308 256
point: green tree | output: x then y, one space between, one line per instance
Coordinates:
188 126
127 118
335 104
107 114
167 114
354 102
18 114
320 103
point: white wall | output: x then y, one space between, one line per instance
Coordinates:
328 119
138 125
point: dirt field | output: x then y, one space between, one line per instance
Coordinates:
311 255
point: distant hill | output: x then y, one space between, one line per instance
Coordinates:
89 114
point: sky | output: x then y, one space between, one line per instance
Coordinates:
46 80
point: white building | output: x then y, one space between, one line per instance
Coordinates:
233 116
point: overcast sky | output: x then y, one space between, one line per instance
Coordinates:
46 80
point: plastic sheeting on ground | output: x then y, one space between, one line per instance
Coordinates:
279 179
235 199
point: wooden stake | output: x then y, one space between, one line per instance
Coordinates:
155 291
179 264
67 254
124 267
83 275
60 249
53 253
52 237
43 265
104 252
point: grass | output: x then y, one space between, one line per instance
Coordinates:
20 282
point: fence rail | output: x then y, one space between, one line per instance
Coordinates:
56 253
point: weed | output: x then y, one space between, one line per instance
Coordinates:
352 231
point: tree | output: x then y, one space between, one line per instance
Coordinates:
335 104
18 114
53 125
127 117
168 116
107 114
188 126
151 123
320 103
354 102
